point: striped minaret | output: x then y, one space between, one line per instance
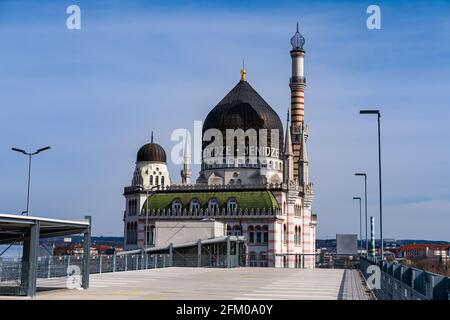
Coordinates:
297 84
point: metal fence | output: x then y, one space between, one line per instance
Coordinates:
55 272
300 260
399 282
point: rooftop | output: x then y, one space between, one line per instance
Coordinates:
246 199
220 283
12 227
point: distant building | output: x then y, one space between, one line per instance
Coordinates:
422 251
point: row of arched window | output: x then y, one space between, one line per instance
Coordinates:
257 260
255 234
258 234
297 235
132 207
157 181
195 205
131 232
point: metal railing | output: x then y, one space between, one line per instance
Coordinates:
56 271
399 282
302 260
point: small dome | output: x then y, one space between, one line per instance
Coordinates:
297 41
151 152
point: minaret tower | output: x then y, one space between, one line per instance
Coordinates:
297 84
303 164
288 156
186 173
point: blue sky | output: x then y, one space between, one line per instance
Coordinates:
95 94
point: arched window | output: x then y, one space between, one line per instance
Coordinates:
134 233
229 230
132 207
237 231
195 205
258 234
151 180
162 181
262 259
232 204
295 235
265 234
299 235
252 259
213 205
177 205
251 234
157 180
285 234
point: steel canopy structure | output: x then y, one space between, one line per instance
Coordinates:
224 251
29 230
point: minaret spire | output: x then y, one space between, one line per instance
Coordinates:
186 173
304 179
243 72
297 84
288 155
151 139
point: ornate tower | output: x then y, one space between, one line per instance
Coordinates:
303 163
297 84
288 156
186 173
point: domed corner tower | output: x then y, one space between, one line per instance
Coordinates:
242 140
150 173
151 167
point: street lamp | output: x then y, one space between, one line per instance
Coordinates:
360 223
377 112
359 174
148 191
29 171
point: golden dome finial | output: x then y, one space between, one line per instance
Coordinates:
243 72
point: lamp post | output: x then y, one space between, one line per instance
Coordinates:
148 191
360 222
365 205
30 155
377 112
